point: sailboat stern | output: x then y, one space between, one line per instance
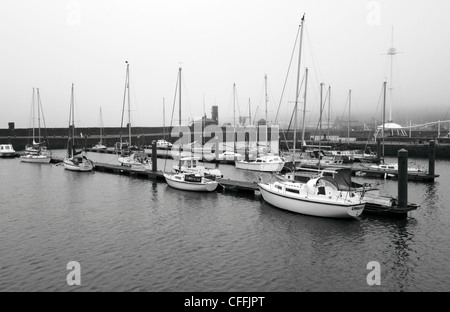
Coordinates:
356 210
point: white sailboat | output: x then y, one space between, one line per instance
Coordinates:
190 164
318 196
74 161
100 145
184 180
265 163
36 153
131 156
190 182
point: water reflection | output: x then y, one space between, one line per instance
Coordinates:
403 255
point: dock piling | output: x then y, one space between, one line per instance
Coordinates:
431 159
378 150
402 178
247 143
154 157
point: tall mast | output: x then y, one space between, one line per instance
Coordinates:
72 108
39 115
123 104
304 108
320 120
297 93
33 112
203 121
164 119
249 113
179 90
349 108
384 114
267 134
179 112
234 117
329 111
129 108
101 126
391 52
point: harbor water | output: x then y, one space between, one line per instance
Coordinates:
133 234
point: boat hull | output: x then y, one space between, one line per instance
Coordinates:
254 166
191 186
35 159
308 206
8 155
83 167
99 147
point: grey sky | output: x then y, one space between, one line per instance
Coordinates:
52 43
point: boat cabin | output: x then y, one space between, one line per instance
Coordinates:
192 178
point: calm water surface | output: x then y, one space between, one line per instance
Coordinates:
131 234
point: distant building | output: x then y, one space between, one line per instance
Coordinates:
261 122
205 121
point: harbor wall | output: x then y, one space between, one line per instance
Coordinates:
416 145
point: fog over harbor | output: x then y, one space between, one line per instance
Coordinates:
51 44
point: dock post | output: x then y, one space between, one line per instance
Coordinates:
154 157
247 143
432 155
402 178
378 150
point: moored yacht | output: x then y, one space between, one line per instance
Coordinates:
317 197
7 150
267 163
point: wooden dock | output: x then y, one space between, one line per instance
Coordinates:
239 186
366 172
393 174
124 170
224 184
163 153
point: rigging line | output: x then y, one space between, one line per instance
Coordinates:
398 93
287 74
379 101
43 120
375 126
345 106
237 104
70 116
313 59
313 107
123 103
171 119
187 97
31 121
231 105
293 113
135 111
321 109
445 118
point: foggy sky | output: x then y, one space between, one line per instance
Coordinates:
50 44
